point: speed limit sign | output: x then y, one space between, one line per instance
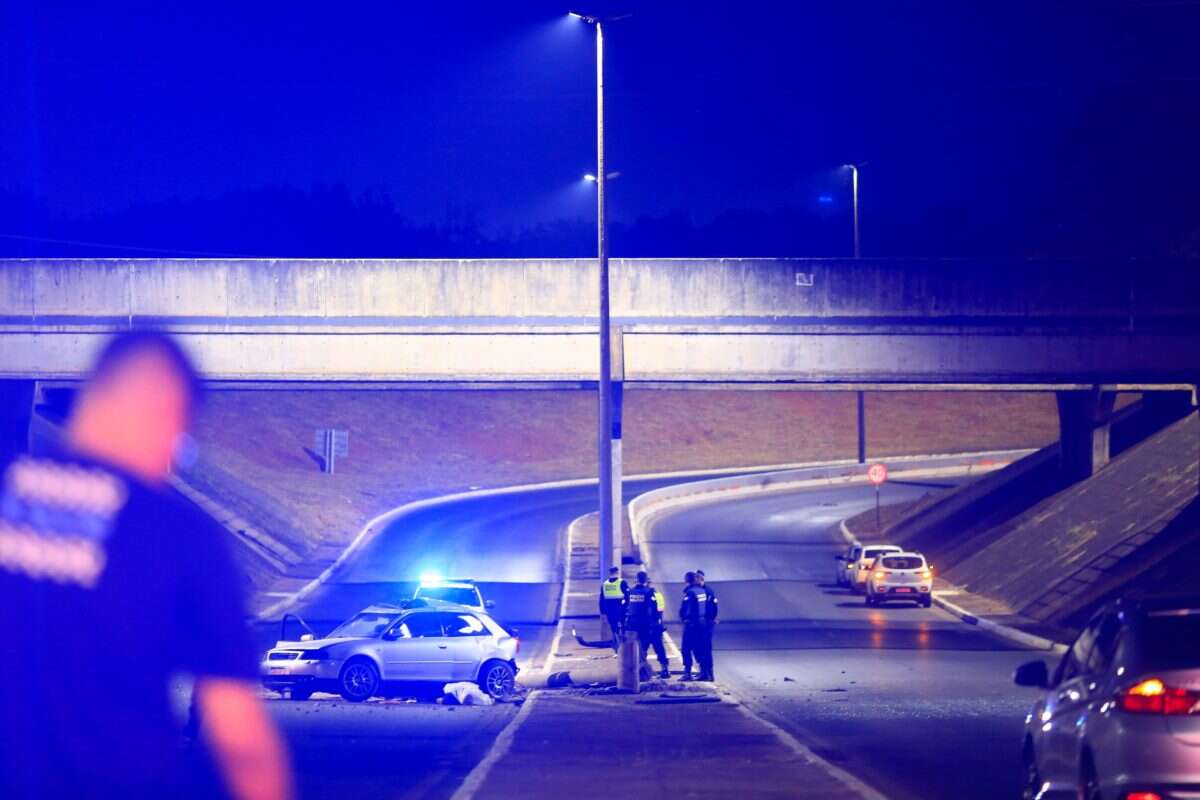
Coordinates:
877 474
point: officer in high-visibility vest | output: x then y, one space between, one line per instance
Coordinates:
644 617
614 593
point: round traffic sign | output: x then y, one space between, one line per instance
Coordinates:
877 474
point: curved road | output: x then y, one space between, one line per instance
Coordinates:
911 700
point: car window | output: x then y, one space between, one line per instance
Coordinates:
1107 635
461 595
462 625
902 562
418 626
1077 655
364 624
1170 641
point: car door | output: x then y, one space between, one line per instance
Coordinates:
1066 701
467 638
416 649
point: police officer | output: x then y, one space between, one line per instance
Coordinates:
644 617
698 612
711 619
614 593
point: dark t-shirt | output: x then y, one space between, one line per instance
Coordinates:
108 589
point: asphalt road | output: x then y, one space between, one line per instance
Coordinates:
511 544
911 700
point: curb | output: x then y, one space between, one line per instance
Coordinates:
1008 632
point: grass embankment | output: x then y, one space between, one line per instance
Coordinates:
407 445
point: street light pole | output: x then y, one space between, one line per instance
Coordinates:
854 192
609 426
608 442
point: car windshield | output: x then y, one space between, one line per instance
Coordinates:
366 624
868 554
1171 641
450 594
902 562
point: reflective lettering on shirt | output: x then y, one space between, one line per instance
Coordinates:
54 518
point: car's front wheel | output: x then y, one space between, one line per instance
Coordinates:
299 693
498 679
359 680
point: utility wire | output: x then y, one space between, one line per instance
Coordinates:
166 250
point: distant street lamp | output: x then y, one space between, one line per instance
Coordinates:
592 178
854 191
609 438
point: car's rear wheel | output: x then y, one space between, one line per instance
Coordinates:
359 680
1033 778
927 601
497 679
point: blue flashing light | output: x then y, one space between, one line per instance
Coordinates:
824 199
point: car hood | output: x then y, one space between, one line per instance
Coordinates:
314 644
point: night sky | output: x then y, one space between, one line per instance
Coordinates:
1013 127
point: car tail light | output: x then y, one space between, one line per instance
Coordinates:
1152 696
1143 796
880 576
927 574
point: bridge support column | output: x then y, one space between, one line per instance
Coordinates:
1084 423
862 429
16 410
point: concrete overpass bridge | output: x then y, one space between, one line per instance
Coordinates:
770 321
1084 328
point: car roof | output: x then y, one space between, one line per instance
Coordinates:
890 547
906 554
448 585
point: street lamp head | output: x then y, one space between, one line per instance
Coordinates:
589 177
583 17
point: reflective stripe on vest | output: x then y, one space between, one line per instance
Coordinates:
612 590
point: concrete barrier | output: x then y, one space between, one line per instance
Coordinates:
645 508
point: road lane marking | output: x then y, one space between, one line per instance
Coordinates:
475 778
853 783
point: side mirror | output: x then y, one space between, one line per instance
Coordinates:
489 603
1032 673
307 637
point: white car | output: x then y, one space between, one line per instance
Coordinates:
900 576
842 563
860 568
459 592
383 646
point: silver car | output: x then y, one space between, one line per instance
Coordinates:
385 645
1120 715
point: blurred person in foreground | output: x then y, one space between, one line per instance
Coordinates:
109 588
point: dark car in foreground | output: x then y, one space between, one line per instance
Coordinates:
1119 716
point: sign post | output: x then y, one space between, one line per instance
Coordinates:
331 444
877 475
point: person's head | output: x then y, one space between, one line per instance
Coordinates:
642 578
689 578
137 404
614 572
700 577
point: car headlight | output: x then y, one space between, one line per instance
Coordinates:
317 655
